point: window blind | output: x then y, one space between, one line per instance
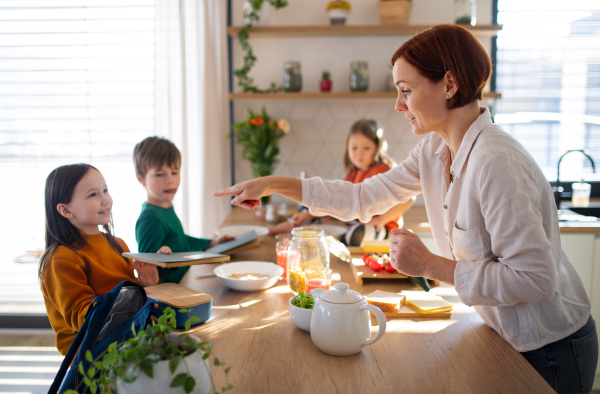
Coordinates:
548 71
76 78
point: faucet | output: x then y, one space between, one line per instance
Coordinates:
558 189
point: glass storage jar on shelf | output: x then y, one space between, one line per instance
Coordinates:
292 77
359 76
465 12
307 251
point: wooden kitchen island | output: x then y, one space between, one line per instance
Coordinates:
254 334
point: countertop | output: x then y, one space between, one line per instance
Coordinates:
416 220
254 334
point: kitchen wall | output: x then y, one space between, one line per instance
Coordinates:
319 128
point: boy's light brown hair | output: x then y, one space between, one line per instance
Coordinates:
155 152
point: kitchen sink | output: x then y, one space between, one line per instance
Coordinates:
587 211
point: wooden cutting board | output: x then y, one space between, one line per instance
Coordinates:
408 312
361 272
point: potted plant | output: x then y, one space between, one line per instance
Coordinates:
155 360
258 135
395 12
338 11
325 81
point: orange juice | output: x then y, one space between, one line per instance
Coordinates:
317 284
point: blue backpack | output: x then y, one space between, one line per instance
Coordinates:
108 319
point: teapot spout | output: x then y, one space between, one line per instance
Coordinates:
316 293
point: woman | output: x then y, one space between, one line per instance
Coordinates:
490 206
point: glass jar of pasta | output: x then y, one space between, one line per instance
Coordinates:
307 251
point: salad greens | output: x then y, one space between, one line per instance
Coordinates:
304 300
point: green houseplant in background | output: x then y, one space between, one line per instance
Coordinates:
258 136
155 360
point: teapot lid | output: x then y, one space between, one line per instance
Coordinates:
341 295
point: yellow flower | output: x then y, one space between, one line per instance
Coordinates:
283 125
339 4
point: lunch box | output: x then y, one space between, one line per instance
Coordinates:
180 297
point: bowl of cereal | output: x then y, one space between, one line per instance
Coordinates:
248 275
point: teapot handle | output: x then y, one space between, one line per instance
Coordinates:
380 320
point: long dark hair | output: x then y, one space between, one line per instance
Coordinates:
372 130
60 186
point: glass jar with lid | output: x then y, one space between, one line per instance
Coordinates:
465 11
292 77
359 76
307 251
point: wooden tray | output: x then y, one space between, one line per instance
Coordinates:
360 271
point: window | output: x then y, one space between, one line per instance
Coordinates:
76 85
548 71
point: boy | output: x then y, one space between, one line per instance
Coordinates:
157 164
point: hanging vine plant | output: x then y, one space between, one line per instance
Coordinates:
251 16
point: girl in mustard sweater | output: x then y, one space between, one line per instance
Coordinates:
80 261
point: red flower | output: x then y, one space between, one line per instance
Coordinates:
257 121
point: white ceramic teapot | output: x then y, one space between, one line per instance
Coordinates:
341 321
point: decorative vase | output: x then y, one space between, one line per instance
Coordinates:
394 12
338 16
465 12
160 383
264 14
325 85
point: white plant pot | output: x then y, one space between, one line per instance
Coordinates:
199 369
264 14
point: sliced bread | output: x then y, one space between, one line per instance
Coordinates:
386 301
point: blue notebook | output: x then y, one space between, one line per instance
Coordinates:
240 240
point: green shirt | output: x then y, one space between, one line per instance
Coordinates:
157 227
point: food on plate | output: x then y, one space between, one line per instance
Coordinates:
386 301
378 262
304 300
248 276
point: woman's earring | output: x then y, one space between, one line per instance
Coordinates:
447 96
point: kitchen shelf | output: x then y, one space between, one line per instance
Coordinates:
328 96
357 30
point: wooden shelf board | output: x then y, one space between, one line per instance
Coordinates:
357 30
328 96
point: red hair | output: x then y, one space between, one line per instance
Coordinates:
452 48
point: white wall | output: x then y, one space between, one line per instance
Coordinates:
319 128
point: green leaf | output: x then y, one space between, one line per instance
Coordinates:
91 372
88 356
87 381
71 392
133 329
205 356
80 367
173 363
216 362
99 365
147 368
227 370
179 380
184 310
195 318
94 388
112 347
189 384
187 325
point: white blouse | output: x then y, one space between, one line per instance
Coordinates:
497 218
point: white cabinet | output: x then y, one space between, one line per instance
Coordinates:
584 252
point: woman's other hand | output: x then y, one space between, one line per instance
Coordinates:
410 256
377 222
301 217
247 194
147 273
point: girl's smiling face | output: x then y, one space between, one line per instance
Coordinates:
90 205
422 101
361 151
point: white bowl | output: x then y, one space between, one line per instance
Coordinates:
331 229
236 230
300 316
248 267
